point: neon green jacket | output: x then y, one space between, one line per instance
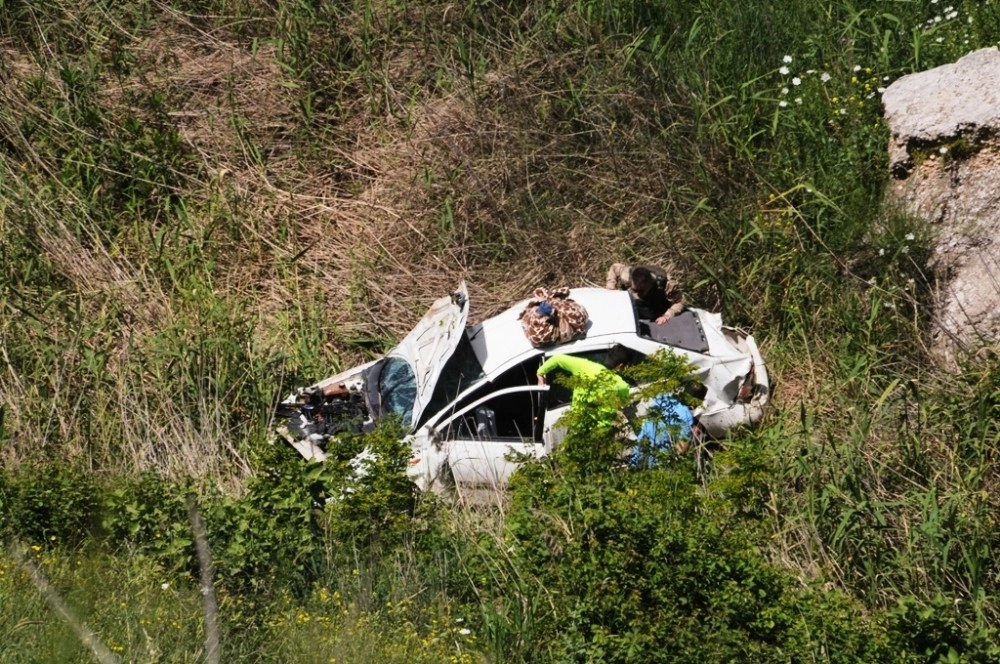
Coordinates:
584 368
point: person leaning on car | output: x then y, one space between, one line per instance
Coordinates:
657 297
602 377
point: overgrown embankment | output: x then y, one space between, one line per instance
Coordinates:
203 203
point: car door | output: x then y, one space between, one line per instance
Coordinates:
484 438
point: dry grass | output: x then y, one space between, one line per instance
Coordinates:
372 214
369 221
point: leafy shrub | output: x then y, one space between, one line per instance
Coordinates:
934 632
54 503
375 505
644 566
147 515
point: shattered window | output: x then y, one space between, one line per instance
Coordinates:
398 389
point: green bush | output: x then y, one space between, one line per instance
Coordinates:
52 504
646 566
934 632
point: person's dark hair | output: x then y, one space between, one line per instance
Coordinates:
640 275
619 355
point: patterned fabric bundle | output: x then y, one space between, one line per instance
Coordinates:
551 317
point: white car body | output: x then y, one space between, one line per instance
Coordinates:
469 395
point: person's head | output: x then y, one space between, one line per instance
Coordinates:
618 356
641 281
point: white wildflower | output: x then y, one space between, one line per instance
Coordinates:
857 67
843 111
939 40
880 90
943 149
787 59
784 71
825 77
796 81
782 103
798 100
465 631
784 91
881 252
910 237
164 586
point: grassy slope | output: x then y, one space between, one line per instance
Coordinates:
207 202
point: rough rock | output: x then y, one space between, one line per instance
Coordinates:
944 160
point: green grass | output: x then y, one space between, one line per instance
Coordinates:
205 203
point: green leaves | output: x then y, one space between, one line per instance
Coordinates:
641 566
54 503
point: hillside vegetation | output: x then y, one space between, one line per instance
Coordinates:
204 203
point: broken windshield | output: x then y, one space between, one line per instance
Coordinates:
392 389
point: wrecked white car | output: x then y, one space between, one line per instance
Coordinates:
469 396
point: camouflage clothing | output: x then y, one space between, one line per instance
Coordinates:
652 307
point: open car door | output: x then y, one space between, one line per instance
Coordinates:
484 439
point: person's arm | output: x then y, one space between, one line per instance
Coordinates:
571 365
548 365
618 277
675 296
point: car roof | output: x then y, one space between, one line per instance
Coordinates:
499 342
